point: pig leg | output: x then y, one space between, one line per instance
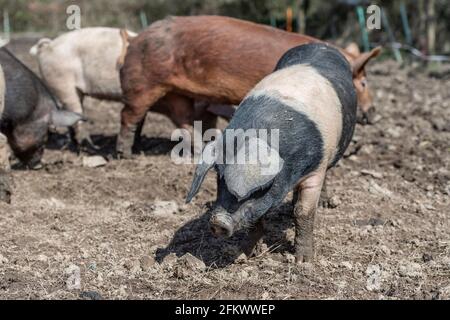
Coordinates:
254 245
182 113
133 113
208 119
5 179
295 197
324 196
304 214
138 135
72 99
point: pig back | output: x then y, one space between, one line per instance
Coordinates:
24 92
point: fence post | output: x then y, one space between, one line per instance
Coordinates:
143 18
362 26
405 23
289 19
384 19
6 26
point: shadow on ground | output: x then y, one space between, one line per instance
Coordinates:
195 238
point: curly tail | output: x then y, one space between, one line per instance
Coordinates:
126 37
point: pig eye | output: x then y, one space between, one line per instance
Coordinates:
364 83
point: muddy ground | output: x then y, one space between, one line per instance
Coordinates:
125 229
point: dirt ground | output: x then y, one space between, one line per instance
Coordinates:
125 228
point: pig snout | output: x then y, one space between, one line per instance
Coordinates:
221 223
32 158
366 117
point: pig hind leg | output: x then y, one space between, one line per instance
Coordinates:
182 112
324 195
304 216
133 114
72 99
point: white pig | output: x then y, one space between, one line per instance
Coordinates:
82 63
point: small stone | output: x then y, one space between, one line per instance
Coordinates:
91 295
133 266
374 188
444 293
385 250
73 282
347 264
164 208
244 274
147 263
410 269
170 260
374 277
334 202
394 132
427 257
373 174
290 258
94 162
324 263
3 259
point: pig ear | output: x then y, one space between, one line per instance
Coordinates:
353 49
61 118
208 160
42 43
360 62
244 179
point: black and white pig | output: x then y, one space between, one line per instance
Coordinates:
311 100
5 185
30 109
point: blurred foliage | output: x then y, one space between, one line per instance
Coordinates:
325 19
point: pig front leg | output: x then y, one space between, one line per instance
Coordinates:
5 178
324 195
254 244
138 103
304 215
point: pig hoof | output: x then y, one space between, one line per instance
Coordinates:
255 250
324 203
303 259
5 189
120 155
304 255
37 166
88 146
222 225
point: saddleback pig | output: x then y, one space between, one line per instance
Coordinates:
310 102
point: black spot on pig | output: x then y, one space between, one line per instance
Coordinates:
334 67
30 109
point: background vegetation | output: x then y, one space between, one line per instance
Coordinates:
429 20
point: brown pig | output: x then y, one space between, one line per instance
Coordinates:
210 58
